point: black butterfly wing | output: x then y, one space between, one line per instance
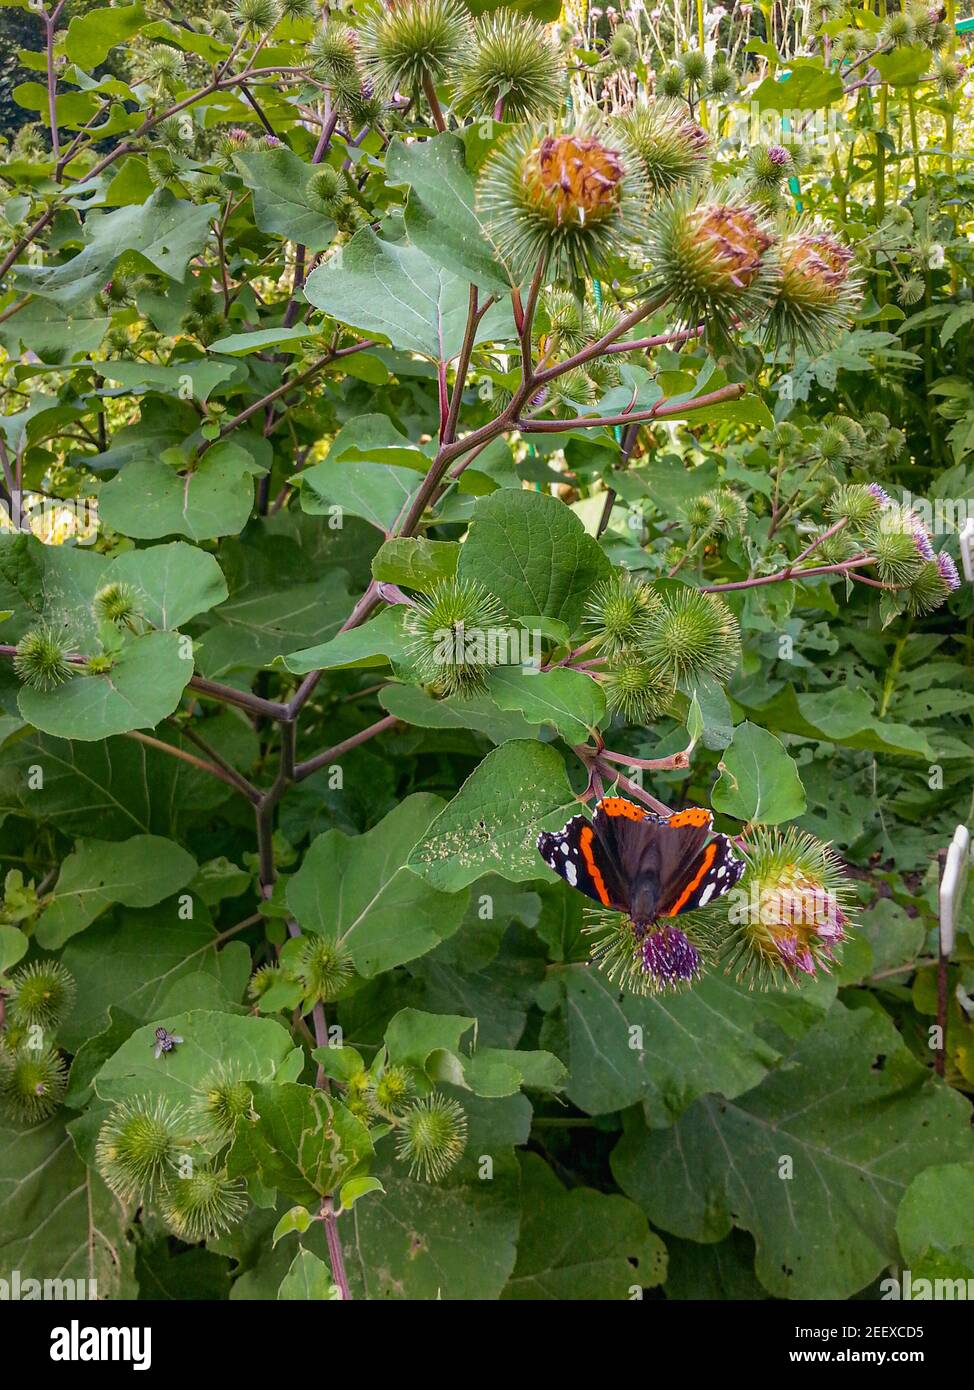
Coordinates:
636 862
579 857
711 873
652 851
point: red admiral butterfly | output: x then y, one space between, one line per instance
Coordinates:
648 866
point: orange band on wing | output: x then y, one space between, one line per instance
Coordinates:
710 853
619 806
585 843
694 815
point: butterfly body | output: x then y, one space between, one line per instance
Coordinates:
650 867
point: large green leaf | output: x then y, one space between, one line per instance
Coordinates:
143 686
359 891
258 1048
904 67
160 235
533 554
808 88
493 822
149 499
571 702
845 717
665 1051
375 439
480 713
375 643
55 335
54 582
758 780
57 1218
432 1044
174 582
282 204
308 1279
303 1143
137 873
117 784
440 216
396 290
580 1244
151 952
375 492
90 36
415 562
261 620
813 1162
935 1221
199 376
456 1239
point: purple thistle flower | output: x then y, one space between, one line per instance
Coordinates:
795 954
922 542
880 494
948 570
669 957
778 155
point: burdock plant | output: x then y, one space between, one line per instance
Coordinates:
203 1204
665 958
138 1146
41 994
671 148
568 195
712 255
693 634
618 612
431 1137
335 52
817 293
41 660
412 46
451 630
32 1081
637 687
790 911
513 70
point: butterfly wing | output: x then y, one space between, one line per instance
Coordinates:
711 873
629 859
652 851
579 857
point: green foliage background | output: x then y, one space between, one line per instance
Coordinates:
250 382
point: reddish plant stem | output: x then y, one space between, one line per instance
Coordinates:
320 760
474 315
789 572
660 411
613 774
243 785
50 24
335 1248
327 1215
820 539
681 335
333 355
671 761
436 110
199 763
